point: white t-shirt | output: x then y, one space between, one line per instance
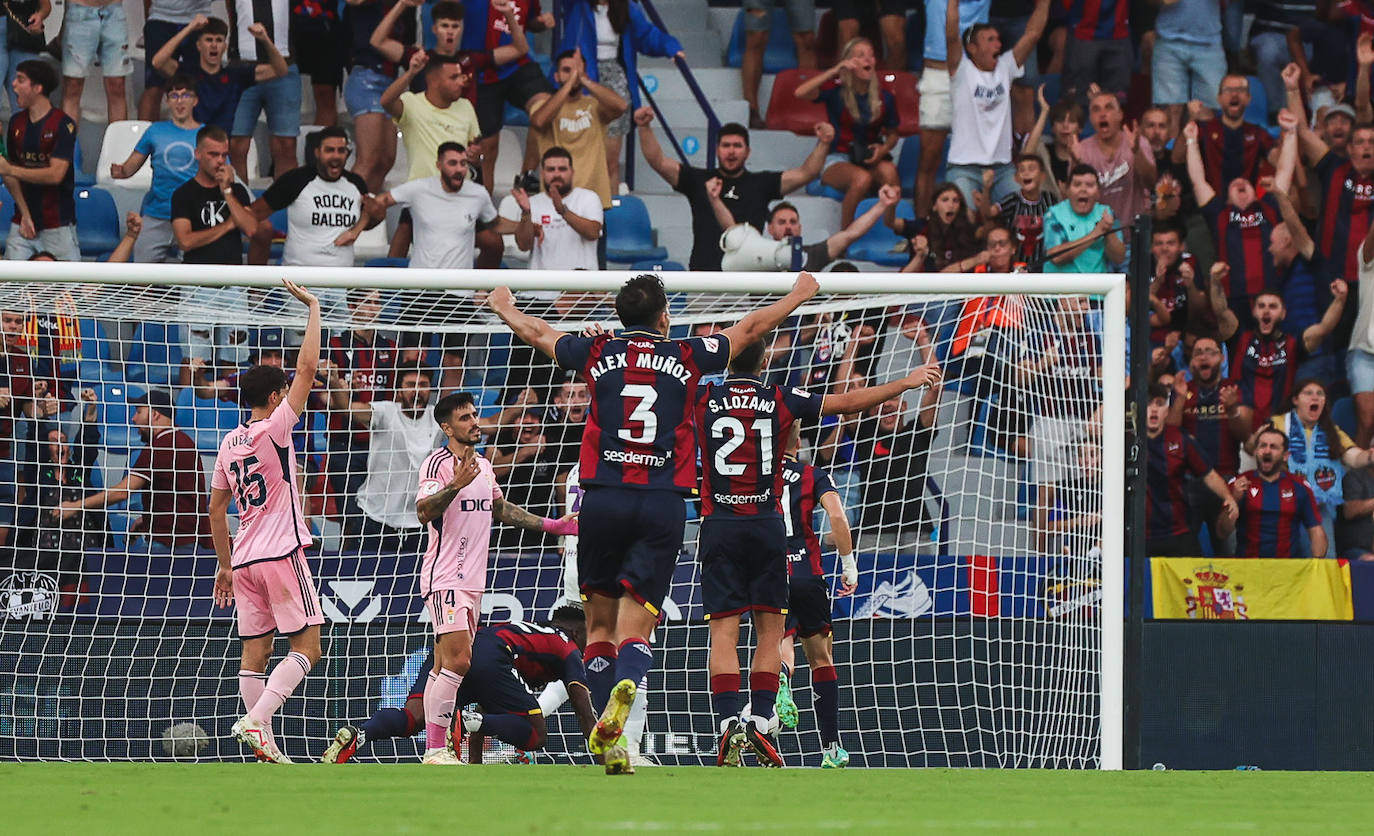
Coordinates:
980 133
562 248
317 212
399 445
445 222
1362 338
607 41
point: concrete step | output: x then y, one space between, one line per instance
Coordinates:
718 84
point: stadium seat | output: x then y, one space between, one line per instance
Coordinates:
818 189
876 245
1258 111
97 221
94 365
79 176
629 232
155 355
779 55
909 162
372 244
788 113
206 420
119 142
903 87
657 266
115 415
1343 413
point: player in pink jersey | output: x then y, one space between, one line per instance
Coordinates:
264 569
458 500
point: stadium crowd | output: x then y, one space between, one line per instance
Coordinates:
1244 129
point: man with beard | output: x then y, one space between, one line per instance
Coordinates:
1264 361
561 224
167 471
1204 405
745 193
577 118
1275 506
1173 454
1173 197
1231 147
1346 185
325 207
401 433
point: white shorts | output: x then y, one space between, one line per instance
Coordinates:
453 610
937 108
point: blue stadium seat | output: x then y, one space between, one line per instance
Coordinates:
1258 111
1343 413
206 420
657 266
155 355
115 415
877 243
97 221
94 365
779 55
818 189
629 232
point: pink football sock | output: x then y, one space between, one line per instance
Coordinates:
441 692
285 677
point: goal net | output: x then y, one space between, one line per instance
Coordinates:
986 629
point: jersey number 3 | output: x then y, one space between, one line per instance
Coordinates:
644 397
252 488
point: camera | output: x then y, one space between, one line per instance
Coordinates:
859 152
529 182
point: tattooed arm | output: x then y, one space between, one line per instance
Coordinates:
512 514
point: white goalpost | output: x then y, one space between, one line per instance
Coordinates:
987 630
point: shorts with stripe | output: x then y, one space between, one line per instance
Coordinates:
452 610
276 596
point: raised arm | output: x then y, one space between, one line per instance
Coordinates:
308 357
1364 59
857 400
1196 173
1320 330
275 67
1288 153
1312 146
341 399
1035 139
668 169
954 45
544 115
165 60
531 329
519 45
722 213
1035 27
810 169
391 97
888 197
381 40
757 324
609 103
1227 324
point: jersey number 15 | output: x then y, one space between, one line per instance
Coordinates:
251 487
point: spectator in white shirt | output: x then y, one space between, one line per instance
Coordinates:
561 225
980 135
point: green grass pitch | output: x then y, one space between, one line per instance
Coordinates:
202 799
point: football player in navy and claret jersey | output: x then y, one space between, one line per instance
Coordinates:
638 461
741 426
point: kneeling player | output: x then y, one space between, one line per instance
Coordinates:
809 604
511 660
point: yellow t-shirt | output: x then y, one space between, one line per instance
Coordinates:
578 127
425 127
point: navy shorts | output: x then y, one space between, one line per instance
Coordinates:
629 541
809 606
492 682
516 89
743 566
417 688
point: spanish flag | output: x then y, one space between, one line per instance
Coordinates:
1251 589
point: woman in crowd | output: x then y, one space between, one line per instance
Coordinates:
948 236
864 114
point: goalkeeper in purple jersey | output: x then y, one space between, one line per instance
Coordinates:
804 488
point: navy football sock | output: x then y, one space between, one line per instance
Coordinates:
515 729
600 664
388 722
827 703
726 700
633 661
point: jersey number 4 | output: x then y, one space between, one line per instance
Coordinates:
734 428
251 487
